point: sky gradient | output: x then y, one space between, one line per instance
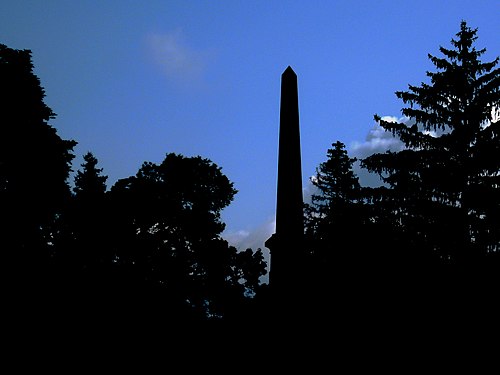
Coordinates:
131 81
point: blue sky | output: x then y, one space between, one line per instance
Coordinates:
133 80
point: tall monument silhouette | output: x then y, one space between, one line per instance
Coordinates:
286 243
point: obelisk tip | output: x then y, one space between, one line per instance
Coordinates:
289 70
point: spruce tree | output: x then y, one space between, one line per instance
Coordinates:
444 192
89 182
88 216
333 218
338 190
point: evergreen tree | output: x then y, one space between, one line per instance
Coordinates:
443 191
84 238
336 230
89 182
332 209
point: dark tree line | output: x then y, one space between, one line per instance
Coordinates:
150 243
35 164
153 240
430 235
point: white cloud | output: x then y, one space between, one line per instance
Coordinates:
175 57
235 238
378 140
309 190
254 239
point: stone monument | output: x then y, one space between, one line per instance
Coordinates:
285 244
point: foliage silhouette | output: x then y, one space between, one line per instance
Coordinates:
431 236
443 195
443 186
81 256
345 261
334 213
89 183
150 247
165 237
34 167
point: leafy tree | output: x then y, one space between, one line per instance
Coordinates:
34 166
166 237
443 188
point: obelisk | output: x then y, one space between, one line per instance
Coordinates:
286 243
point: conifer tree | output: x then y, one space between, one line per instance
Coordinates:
87 218
444 191
333 219
338 188
89 182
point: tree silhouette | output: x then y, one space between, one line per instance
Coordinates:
82 251
34 167
165 232
444 184
346 260
443 197
89 182
430 236
332 216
